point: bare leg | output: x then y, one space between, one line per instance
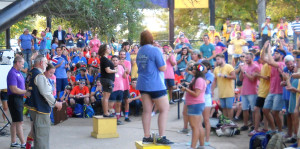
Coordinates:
295 122
13 132
146 116
230 113
257 118
277 120
206 122
290 122
238 110
20 134
105 102
185 117
246 117
194 122
5 108
162 104
269 118
201 133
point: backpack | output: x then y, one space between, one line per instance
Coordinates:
228 130
89 111
276 142
78 110
256 140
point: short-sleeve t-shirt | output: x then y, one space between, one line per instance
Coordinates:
264 85
105 62
169 73
76 90
249 87
60 72
238 45
94 62
149 60
209 76
79 60
15 78
225 85
127 65
79 77
220 47
201 85
43 43
26 41
182 64
95 44
119 82
265 30
134 93
70 41
275 79
54 46
98 94
207 52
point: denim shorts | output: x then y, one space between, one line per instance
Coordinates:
155 94
116 96
227 102
248 101
208 100
195 109
169 82
274 102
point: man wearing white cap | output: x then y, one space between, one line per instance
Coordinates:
266 30
26 46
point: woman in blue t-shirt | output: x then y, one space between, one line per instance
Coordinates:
150 83
182 60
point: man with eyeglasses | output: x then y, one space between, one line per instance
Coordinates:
80 94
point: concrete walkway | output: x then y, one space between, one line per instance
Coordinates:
75 133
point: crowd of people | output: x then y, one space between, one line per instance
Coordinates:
79 69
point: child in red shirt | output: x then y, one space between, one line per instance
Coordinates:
135 97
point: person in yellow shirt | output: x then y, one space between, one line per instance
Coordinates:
224 78
226 30
134 68
212 34
238 44
263 91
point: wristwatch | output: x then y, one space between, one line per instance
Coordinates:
225 76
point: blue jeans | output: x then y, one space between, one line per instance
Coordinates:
27 55
137 105
295 40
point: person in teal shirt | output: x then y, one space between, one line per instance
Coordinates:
208 50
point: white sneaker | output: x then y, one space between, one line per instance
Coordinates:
153 114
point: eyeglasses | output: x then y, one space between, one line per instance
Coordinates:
82 83
242 56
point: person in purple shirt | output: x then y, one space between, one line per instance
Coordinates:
15 92
25 42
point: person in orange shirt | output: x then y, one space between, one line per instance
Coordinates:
71 78
135 97
94 64
212 34
80 94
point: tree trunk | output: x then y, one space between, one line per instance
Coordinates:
261 12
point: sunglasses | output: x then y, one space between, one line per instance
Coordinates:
82 83
242 56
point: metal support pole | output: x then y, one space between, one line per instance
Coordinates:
212 12
171 22
7 38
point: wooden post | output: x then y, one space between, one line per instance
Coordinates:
7 38
171 22
212 12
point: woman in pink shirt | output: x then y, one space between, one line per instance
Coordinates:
196 103
95 44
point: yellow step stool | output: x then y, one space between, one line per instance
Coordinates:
104 127
140 145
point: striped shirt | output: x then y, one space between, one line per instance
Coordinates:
296 26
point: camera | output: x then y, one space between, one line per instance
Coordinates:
182 84
190 68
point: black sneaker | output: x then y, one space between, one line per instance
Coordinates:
147 140
110 115
127 119
244 128
164 140
23 145
119 122
15 145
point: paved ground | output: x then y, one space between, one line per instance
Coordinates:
75 133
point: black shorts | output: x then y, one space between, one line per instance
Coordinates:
79 100
16 106
4 96
126 94
107 85
260 101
